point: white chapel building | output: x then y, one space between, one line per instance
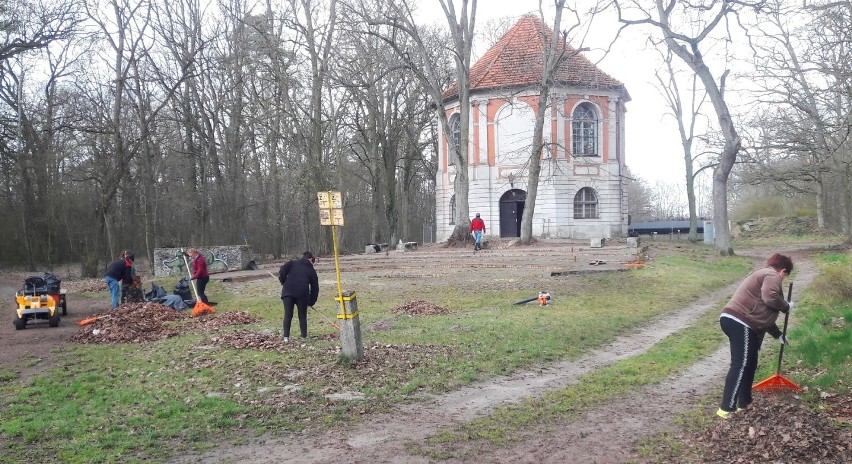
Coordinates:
581 189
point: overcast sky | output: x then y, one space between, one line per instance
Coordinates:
653 145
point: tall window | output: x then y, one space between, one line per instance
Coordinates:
455 134
585 204
452 210
584 131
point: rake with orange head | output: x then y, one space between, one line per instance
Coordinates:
200 307
777 383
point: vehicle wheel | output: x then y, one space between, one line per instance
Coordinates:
53 321
20 323
63 303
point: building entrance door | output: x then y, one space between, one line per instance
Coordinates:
511 212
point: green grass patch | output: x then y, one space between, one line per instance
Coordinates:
6 375
148 402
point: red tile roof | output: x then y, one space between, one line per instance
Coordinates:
515 61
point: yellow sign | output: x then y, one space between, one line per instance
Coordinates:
337 217
322 198
331 217
336 200
325 217
330 208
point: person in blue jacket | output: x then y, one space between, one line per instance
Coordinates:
299 288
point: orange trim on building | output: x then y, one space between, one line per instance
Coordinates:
570 103
475 158
532 101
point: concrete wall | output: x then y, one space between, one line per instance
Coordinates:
169 261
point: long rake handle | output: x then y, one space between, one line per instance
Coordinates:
784 330
327 319
191 282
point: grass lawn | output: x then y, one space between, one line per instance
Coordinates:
147 402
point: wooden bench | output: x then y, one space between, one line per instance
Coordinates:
410 245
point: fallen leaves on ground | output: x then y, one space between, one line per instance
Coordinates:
778 429
248 339
88 285
146 322
420 308
223 320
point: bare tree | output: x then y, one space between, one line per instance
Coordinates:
804 128
555 51
687 45
123 26
686 120
27 25
461 21
639 195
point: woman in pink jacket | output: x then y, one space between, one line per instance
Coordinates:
199 273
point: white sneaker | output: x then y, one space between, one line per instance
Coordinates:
286 339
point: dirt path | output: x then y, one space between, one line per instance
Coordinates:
603 435
33 349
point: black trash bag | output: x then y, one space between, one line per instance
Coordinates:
51 283
156 293
182 289
173 301
45 284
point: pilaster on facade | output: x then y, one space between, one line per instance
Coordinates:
504 101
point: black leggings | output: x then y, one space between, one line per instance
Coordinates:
302 305
745 345
200 286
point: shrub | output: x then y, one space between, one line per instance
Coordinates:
759 207
834 281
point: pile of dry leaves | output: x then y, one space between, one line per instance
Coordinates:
420 308
778 429
147 322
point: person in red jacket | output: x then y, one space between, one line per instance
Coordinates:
477 228
199 272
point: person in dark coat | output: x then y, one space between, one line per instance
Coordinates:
300 288
118 272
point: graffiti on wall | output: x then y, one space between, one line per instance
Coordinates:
177 265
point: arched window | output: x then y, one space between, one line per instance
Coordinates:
585 204
453 210
455 135
584 131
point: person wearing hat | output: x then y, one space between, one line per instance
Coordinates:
119 271
477 228
300 288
